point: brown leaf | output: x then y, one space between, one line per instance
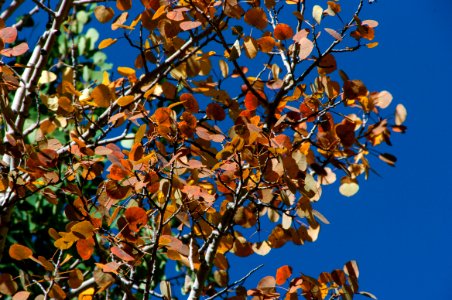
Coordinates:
256 17
215 112
124 4
103 14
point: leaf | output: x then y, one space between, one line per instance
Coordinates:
47 77
16 50
103 14
22 295
400 114
334 34
8 34
327 65
121 254
306 47
83 230
189 25
251 47
283 32
251 101
189 102
136 218
388 158
75 278
7 285
266 44
256 17
106 43
372 45
125 100
224 68
124 4
261 248
349 186
102 95
215 112
282 274
19 252
382 99
126 71
87 294
317 12
351 269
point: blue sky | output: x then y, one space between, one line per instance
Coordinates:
398 227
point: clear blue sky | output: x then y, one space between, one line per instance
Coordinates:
398 227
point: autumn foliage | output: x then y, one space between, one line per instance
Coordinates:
141 179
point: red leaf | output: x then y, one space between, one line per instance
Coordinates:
282 274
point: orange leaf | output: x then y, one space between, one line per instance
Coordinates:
85 248
283 32
19 252
282 274
107 42
136 217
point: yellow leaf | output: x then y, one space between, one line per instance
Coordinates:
47 77
86 294
372 45
107 42
125 100
126 71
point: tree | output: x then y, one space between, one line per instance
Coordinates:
220 119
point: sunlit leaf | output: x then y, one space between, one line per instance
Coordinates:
400 114
317 12
107 42
103 14
348 187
